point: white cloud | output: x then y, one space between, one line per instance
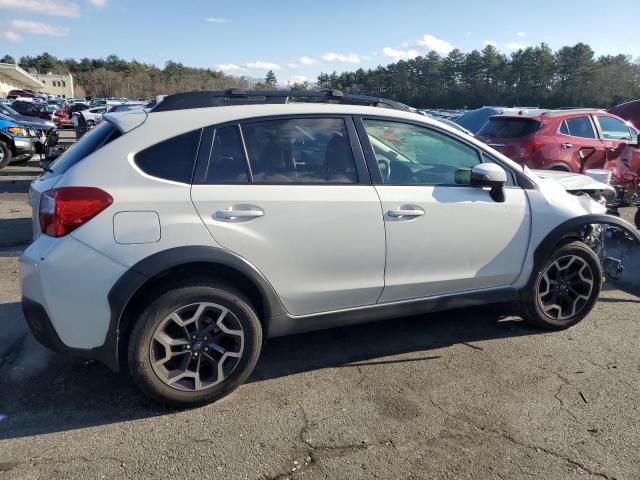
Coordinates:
56 8
436 44
340 58
516 46
10 36
522 34
293 65
229 68
262 66
400 54
307 61
492 43
298 79
98 3
38 28
217 20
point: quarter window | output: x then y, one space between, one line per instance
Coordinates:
172 159
300 150
580 127
614 129
227 163
407 155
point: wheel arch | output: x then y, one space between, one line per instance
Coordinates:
568 231
166 268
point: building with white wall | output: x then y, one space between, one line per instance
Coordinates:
13 77
58 85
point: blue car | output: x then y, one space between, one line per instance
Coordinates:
16 144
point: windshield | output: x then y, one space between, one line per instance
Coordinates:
509 127
8 110
89 143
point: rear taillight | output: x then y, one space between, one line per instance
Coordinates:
62 210
530 148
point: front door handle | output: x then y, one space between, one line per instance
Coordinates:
566 145
229 213
405 212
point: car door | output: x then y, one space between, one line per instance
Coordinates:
292 196
616 137
443 236
580 147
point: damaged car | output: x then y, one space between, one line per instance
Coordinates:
173 242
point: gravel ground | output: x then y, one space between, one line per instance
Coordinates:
454 395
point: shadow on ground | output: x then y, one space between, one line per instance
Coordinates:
44 392
15 231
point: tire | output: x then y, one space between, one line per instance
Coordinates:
636 219
5 155
577 270
213 350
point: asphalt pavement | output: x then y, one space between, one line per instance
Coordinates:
460 394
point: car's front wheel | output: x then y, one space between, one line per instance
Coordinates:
5 155
194 344
566 288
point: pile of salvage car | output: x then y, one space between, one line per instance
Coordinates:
602 145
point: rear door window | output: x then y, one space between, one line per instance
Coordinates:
172 159
227 163
300 150
89 143
509 127
580 127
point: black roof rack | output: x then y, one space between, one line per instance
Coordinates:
238 96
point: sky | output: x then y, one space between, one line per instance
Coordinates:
300 39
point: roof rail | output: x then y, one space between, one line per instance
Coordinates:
238 96
564 111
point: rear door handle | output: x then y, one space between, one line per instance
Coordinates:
230 213
566 145
405 212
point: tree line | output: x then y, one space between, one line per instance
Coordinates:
534 76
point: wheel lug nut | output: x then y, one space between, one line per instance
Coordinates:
206 349
195 354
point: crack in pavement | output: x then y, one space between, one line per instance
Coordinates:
506 436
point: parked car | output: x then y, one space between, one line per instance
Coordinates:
93 116
63 118
13 94
210 230
474 120
630 111
571 140
42 129
31 109
15 142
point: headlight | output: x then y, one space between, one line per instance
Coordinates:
16 131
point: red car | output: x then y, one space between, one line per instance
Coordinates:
571 140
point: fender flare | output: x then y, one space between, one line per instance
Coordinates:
8 140
139 274
571 229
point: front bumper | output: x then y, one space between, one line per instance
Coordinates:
23 148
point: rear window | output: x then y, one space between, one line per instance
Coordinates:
508 127
89 143
172 159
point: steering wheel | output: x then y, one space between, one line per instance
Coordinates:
384 165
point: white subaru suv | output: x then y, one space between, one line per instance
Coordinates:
173 241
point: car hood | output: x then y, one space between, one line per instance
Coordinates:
576 182
39 123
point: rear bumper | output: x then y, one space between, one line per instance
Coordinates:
64 288
42 329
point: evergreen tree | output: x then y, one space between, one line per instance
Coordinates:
270 80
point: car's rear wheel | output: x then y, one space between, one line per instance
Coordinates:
194 344
5 155
566 288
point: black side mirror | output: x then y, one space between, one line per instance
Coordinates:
490 175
